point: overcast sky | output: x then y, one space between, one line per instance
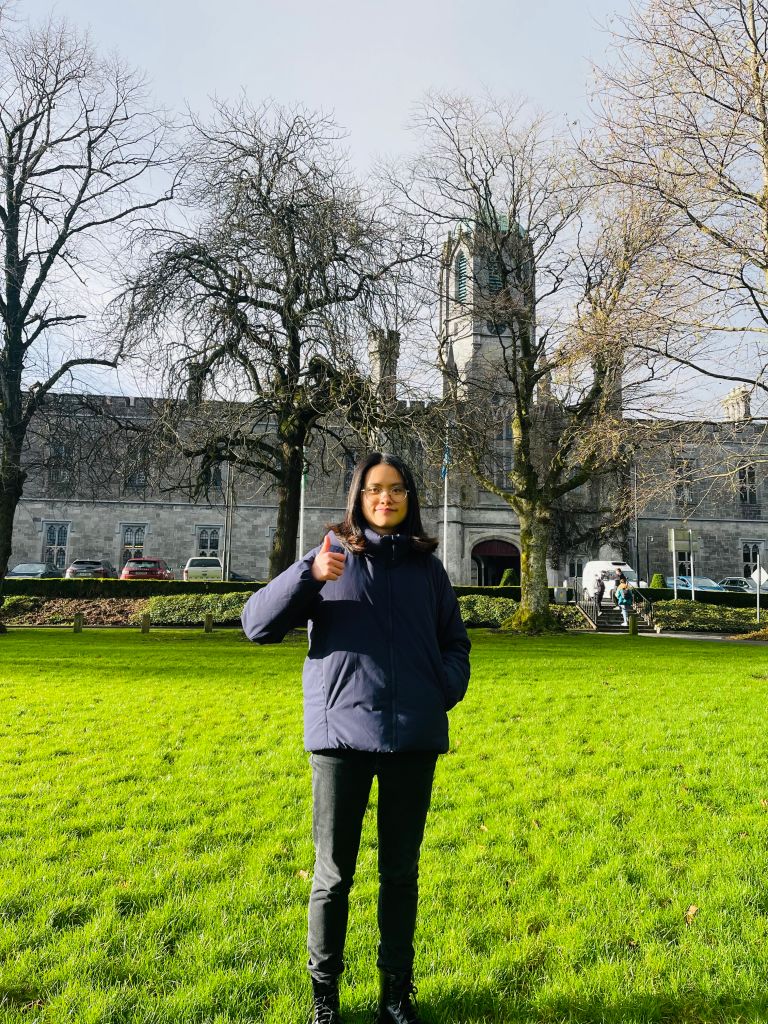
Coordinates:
366 62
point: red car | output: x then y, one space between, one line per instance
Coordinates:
146 569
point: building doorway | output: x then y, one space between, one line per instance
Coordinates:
489 560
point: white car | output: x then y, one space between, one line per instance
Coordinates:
203 569
593 571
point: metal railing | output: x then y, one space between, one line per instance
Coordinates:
588 606
642 605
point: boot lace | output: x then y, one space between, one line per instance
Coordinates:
325 1011
408 1004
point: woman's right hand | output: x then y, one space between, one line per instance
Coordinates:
328 565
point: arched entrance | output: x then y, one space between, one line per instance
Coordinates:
489 560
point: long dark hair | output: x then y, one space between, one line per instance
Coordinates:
352 527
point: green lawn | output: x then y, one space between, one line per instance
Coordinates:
155 852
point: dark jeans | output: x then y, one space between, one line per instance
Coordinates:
341 785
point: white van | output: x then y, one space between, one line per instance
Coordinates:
593 571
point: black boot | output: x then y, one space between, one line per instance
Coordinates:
325 1005
396 999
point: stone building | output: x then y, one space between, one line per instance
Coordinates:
125 507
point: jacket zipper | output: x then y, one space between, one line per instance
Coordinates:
392 652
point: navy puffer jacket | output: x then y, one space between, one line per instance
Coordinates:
388 652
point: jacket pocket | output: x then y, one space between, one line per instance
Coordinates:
340 669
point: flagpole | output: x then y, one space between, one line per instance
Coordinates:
302 497
445 519
444 474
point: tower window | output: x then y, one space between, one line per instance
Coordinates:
494 275
460 289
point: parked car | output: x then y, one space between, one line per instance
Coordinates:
700 583
741 585
34 571
93 568
146 569
593 571
203 569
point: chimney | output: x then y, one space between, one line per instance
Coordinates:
195 383
736 404
384 351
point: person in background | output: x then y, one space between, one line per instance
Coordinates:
623 598
388 658
599 591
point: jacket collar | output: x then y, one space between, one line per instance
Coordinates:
394 546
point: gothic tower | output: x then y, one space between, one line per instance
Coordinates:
487 291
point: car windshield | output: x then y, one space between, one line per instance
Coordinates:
610 574
29 567
205 563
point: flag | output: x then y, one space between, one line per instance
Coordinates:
446 463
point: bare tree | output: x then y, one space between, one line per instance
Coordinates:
78 149
262 301
532 299
682 120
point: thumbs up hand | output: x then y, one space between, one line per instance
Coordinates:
328 565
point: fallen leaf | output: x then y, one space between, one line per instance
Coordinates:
690 913
303 873
483 828
764 803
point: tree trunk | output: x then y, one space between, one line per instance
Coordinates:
12 478
283 551
534 614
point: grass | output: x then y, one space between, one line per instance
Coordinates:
156 853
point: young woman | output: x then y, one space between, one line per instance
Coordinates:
388 658
624 599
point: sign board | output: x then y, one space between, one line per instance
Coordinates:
763 576
683 540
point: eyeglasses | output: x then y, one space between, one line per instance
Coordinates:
396 493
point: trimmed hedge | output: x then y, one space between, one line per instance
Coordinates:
694 617
126 589
493 612
725 599
513 593
191 609
481 610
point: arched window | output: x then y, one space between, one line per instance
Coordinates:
749 555
208 541
747 485
133 542
460 274
55 545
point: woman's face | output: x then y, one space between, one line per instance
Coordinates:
382 511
